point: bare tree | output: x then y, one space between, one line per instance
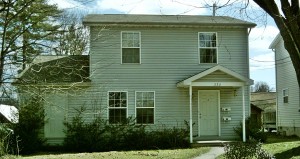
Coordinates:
261 87
288 22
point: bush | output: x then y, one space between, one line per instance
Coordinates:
27 133
245 150
253 130
5 135
99 135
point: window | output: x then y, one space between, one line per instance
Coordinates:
285 94
208 47
117 107
131 47
144 102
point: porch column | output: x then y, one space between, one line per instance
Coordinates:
191 114
244 115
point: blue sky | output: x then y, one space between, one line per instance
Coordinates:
262 66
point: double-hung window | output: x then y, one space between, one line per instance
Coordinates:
145 103
131 47
285 94
117 107
208 51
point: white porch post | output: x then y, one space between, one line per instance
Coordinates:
244 115
191 114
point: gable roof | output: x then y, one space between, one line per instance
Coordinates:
239 77
59 69
10 113
275 41
140 19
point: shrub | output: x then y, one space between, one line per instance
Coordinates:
245 150
253 130
99 135
5 135
27 133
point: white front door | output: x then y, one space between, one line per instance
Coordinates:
208 113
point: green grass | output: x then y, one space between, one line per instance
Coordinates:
172 154
283 147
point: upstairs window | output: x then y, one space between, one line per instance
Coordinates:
285 94
144 102
131 47
208 52
117 107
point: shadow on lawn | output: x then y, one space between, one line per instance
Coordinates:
289 153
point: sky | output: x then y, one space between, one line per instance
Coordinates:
262 65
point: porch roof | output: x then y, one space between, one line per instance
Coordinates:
216 76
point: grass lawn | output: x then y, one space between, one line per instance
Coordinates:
175 154
283 147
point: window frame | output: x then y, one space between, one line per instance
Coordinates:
285 95
109 108
216 47
140 46
154 105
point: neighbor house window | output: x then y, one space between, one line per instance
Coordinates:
145 103
208 51
117 107
131 47
285 94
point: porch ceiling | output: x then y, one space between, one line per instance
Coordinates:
217 76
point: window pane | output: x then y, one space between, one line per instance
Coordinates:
208 56
117 116
145 116
131 55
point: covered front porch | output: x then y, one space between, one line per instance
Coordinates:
218 101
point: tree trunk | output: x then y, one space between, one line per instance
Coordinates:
288 25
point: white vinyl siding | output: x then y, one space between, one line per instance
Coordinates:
117 107
145 104
208 51
131 47
168 57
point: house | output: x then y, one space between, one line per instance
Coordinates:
263 109
8 114
288 105
162 70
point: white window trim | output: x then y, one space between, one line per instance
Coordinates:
283 95
208 47
135 112
140 48
108 108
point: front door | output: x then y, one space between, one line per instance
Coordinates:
208 113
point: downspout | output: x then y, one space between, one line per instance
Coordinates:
191 115
244 115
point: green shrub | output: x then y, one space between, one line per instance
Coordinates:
99 135
27 133
245 150
5 135
253 130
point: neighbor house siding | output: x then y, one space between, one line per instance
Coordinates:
288 113
168 56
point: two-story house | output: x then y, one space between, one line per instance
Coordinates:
163 70
288 101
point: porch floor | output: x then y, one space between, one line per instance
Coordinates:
209 141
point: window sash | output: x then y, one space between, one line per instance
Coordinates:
208 52
117 107
131 47
145 107
285 94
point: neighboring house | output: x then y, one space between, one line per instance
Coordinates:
8 114
288 104
162 70
263 109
